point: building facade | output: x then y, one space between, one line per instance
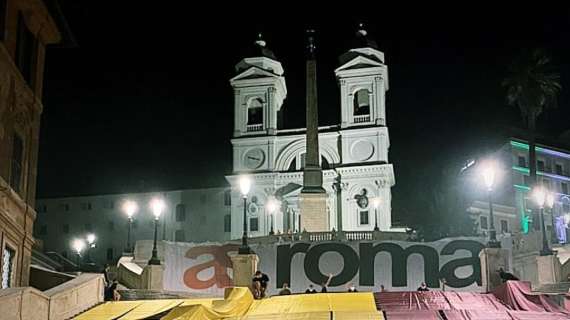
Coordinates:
354 153
553 173
513 198
26 28
196 215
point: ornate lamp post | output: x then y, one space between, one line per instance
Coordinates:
157 206
540 196
489 172
376 204
129 207
272 205
244 186
78 245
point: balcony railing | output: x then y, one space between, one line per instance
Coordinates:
362 118
331 236
359 235
254 127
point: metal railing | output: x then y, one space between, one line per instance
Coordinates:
362 118
254 127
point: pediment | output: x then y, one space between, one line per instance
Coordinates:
254 73
359 62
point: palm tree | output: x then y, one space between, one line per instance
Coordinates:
532 86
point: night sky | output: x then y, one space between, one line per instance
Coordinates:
143 101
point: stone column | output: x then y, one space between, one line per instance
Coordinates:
549 269
313 197
244 267
491 260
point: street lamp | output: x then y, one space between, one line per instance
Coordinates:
130 207
244 186
272 205
376 204
540 196
489 172
156 206
78 245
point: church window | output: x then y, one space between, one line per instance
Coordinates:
364 217
361 103
255 112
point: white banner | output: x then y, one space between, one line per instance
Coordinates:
396 265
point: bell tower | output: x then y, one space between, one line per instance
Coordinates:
259 91
363 80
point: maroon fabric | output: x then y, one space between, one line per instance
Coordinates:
413 315
518 296
501 315
437 300
477 315
531 315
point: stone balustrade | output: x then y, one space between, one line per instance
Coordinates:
59 303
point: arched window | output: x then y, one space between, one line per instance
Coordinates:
255 112
361 102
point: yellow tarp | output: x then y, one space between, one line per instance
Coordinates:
207 302
236 303
109 310
319 302
150 308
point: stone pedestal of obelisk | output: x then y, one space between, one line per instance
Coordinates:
313 198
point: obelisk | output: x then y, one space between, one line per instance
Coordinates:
313 198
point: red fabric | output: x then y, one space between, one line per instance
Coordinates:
413 315
518 296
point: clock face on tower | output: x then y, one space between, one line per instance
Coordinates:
254 158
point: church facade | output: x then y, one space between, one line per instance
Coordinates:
357 175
